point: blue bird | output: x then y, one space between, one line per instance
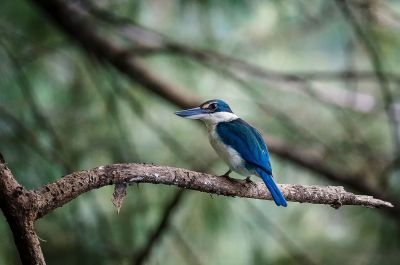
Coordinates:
239 144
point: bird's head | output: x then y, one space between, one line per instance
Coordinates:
211 111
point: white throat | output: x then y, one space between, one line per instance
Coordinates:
217 117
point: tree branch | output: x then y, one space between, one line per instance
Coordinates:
141 256
377 64
43 121
19 207
71 20
22 207
54 195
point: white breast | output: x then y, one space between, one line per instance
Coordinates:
227 153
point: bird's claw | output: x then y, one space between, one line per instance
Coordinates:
229 178
248 180
226 175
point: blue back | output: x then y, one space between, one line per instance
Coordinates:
247 141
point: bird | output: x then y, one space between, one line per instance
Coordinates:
237 143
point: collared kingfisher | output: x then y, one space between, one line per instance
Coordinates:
239 144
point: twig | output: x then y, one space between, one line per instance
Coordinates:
141 256
377 65
29 137
299 255
174 47
187 251
42 120
149 42
112 111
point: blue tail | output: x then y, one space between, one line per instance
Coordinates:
275 191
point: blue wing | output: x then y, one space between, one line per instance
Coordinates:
248 142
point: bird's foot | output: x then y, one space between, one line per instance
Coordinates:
226 175
233 180
248 180
229 178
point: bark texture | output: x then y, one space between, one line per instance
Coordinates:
19 206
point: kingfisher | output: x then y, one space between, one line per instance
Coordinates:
239 144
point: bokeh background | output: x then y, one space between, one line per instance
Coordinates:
319 78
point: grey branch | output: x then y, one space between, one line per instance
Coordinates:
22 206
71 186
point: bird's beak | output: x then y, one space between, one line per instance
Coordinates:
194 114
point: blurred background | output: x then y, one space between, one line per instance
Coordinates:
89 83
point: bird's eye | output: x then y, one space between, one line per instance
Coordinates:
212 106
